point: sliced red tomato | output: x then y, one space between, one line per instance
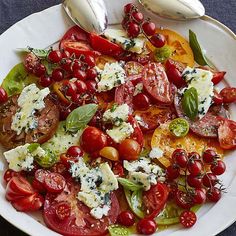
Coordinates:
104 46
227 134
79 222
118 169
9 174
133 70
32 202
18 187
54 183
218 76
156 83
155 199
217 99
124 94
228 94
137 134
75 33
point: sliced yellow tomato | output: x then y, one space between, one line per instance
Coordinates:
102 60
163 139
57 88
182 51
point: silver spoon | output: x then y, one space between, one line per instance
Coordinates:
91 15
175 9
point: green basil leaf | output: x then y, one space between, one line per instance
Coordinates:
190 103
199 56
118 230
42 53
49 66
135 200
33 146
127 184
17 79
80 117
162 54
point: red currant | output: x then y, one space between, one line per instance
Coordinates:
218 168
214 194
126 218
146 226
209 180
179 156
141 101
81 86
58 74
3 95
158 40
92 73
55 56
194 167
194 181
45 81
149 28
80 74
133 30
209 156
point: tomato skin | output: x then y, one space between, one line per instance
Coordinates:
29 203
228 94
9 174
155 199
133 70
93 140
141 101
104 46
146 226
118 169
213 194
63 211
3 95
183 200
188 219
54 183
137 134
218 77
126 218
129 149
217 99
227 134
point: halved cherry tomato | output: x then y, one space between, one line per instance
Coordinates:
182 51
118 169
58 89
63 210
184 200
133 70
217 99
137 134
156 83
66 159
218 76
228 94
104 46
54 183
9 174
227 134
29 203
155 199
18 187
80 222
188 218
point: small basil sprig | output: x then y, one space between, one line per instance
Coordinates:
80 117
199 56
135 201
127 184
190 103
42 53
118 230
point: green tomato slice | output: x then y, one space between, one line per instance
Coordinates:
117 230
179 127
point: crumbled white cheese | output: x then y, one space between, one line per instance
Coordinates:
113 75
121 38
20 158
120 133
201 80
117 114
140 121
156 153
138 89
99 212
29 101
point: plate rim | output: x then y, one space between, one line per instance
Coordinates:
206 18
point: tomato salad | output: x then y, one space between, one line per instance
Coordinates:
122 132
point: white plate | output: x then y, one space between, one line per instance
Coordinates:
45 28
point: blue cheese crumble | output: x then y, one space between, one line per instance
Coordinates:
96 186
156 153
20 158
201 80
113 75
29 101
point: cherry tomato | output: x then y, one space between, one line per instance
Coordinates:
80 74
227 134
60 168
138 16
194 167
3 95
90 60
126 218
109 153
76 65
228 94
209 180
155 199
93 139
92 73
183 200
63 211
199 196
9 174
218 167
194 156
146 226
54 183
40 70
81 86
218 76
217 99
137 134
65 54
58 74
194 181
188 219
158 40
133 30
172 172
55 56
141 101
128 8
66 64
105 46
40 175
129 149
180 157
174 72
209 156
149 28
156 83
75 151
91 86
66 160
29 203
31 62
38 186
18 187
70 88
45 81
118 169
213 194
